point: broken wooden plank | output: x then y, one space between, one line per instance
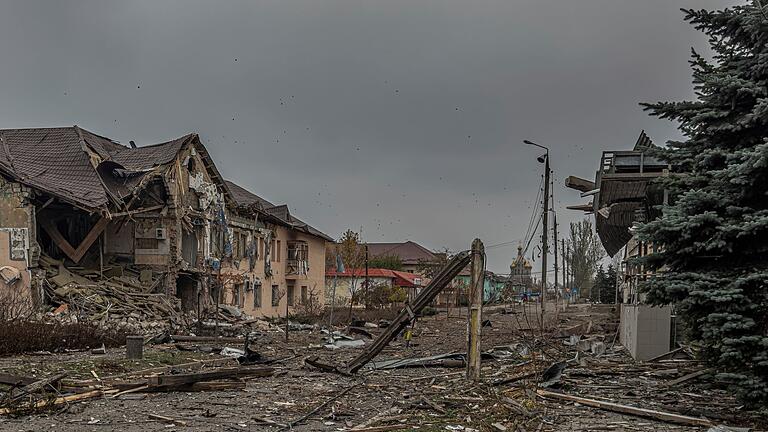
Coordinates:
185 379
385 428
183 338
217 386
15 380
57 401
626 409
167 419
690 376
39 385
665 355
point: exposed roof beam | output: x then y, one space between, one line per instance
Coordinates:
579 184
582 207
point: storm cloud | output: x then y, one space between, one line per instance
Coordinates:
401 117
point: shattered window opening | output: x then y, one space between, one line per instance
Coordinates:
275 295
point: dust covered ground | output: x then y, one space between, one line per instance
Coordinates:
418 398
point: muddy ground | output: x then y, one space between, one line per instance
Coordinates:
423 399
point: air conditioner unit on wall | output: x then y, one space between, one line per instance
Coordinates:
161 233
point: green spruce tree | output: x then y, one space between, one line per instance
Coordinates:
712 239
599 282
607 286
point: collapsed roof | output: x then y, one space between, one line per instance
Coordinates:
622 192
83 168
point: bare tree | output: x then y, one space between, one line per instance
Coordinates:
353 257
586 253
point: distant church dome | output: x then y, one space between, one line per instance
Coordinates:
520 260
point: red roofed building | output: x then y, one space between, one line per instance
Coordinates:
352 281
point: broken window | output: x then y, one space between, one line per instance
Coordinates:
236 290
291 294
257 295
304 293
275 295
298 258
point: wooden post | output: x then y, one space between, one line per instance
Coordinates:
475 315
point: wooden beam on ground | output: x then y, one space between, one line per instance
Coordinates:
168 420
39 385
626 409
690 376
57 401
15 380
160 381
183 338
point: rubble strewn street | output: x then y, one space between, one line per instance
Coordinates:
371 216
283 390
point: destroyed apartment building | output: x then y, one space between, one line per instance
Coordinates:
83 217
622 194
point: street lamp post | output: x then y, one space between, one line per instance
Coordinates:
544 224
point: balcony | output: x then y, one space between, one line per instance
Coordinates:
297 263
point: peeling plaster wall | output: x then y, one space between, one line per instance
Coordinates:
18 248
315 277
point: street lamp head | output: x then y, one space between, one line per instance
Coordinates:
542 158
529 142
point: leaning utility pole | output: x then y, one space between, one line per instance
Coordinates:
475 316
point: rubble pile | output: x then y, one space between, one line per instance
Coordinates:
121 300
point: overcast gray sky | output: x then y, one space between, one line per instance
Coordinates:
401 117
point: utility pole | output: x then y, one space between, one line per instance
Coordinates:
564 254
366 272
554 227
545 227
475 316
544 238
